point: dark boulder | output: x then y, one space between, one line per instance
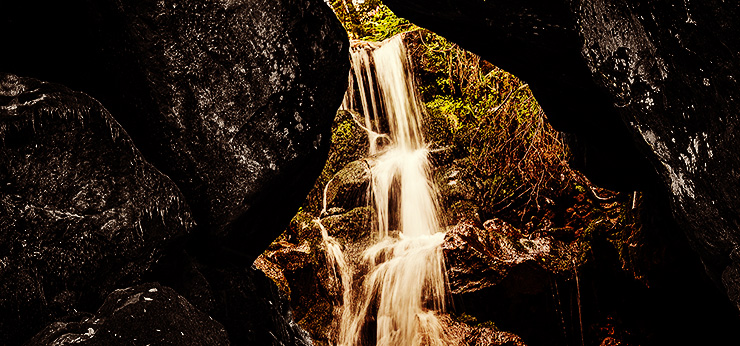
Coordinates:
349 187
232 99
81 212
250 306
671 72
656 73
148 314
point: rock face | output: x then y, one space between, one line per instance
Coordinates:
464 335
480 259
672 73
81 212
148 314
662 73
233 103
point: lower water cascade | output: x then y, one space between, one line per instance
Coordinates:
404 284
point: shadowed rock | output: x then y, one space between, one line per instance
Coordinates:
464 334
81 212
148 314
231 99
672 72
252 308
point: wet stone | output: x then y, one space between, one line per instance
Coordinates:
81 212
148 314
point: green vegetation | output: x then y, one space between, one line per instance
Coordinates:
492 126
369 20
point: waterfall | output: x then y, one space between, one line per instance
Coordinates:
405 282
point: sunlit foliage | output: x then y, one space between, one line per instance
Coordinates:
369 20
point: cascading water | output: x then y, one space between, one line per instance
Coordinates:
405 282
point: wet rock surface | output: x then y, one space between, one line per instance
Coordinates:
552 300
348 188
471 334
148 314
231 100
654 75
233 103
81 212
480 258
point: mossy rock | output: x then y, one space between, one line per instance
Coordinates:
349 187
352 226
302 228
348 143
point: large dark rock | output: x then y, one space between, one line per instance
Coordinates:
232 99
148 314
661 72
671 71
81 212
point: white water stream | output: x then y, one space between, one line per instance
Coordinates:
405 285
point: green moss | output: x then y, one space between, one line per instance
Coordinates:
352 225
302 227
441 123
473 321
369 20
